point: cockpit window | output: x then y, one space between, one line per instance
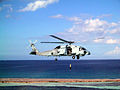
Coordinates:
58 47
81 49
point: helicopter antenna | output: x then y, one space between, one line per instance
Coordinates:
64 41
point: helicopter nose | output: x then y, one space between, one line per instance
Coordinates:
88 53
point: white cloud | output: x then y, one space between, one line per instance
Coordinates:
75 19
115 30
113 41
89 29
96 26
37 4
107 40
57 16
92 25
104 15
113 24
116 51
98 40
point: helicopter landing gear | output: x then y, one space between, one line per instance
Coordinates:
78 56
56 59
73 57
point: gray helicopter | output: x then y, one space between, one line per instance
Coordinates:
61 50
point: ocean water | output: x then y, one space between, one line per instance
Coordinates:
81 69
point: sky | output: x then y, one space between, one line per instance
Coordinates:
95 24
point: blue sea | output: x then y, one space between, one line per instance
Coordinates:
81 69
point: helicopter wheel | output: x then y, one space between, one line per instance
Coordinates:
78 56
55 59
73 57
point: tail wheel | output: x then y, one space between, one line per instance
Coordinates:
73 57
78 56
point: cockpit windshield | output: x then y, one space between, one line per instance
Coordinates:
82 48
58 47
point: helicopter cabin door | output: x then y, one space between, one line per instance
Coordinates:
69 50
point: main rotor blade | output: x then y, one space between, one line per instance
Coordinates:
53 42
61 39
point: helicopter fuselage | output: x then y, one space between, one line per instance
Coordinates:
63 50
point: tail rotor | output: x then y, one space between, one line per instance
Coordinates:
32 43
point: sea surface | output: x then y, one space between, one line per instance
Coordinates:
81 69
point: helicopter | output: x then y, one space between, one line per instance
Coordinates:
61 50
